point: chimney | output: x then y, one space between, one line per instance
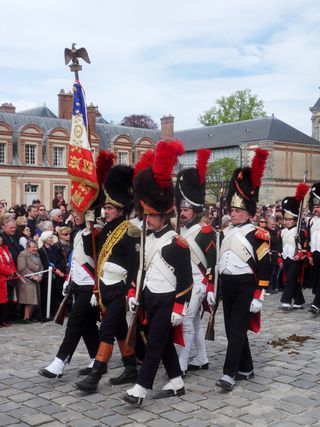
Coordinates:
92 114
167 127
7 108
65 105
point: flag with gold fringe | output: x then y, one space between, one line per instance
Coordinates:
81 167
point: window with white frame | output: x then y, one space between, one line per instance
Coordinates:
123 157
2 154
58 157
30 154
31 188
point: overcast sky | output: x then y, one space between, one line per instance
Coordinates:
164 57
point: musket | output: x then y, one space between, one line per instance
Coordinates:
131 335
211 321
61 312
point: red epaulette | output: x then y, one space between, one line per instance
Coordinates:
206 229
182 242
262 234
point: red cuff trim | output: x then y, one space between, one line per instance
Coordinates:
131 293
210 287
280 261
205 280
257 294
178 308
301 254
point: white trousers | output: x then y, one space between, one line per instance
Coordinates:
193 331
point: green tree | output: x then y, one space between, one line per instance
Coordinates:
241 105
139 121
218 176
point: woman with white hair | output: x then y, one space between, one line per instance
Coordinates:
50 257
29 262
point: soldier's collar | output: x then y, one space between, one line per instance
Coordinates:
193 222
163 230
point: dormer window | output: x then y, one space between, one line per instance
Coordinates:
58 157
3 150
30 154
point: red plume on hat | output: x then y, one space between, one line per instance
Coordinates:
258 166
153 186
146 160
104 163
202 162
165 157
301 191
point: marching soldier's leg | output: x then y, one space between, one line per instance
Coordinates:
90 383
130 373
188 332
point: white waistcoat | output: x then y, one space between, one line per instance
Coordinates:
79 274
236 250
315 234
196 254
288 242
160 277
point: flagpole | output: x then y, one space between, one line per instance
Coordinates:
73 55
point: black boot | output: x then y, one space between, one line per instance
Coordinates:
130 373
87 370
90 383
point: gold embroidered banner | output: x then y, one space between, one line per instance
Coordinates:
81 167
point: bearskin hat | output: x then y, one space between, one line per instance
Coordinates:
153 186
243 192
190 189
314 198
291 204
118 188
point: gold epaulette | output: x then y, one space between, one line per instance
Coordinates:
133 231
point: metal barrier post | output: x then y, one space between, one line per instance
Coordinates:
49 292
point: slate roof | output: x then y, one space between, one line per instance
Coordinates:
237 133
316 106
105 131
39 112
225 135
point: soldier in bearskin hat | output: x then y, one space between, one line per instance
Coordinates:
294 246
168 279
117 246
244 267
313 234
190 197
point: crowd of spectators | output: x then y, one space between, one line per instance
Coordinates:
32 239
36 238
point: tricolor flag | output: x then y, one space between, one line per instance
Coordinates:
81 167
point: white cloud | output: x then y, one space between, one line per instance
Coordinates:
173 56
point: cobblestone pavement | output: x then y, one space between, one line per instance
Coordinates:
284 392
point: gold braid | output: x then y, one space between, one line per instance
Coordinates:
106 251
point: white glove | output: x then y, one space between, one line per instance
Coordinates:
93 301
256 306
89 216
65 289
211 298
133 303
176 319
